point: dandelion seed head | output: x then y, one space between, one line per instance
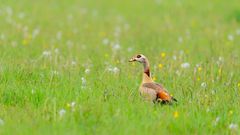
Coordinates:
230 37
180 39
87 71
233 126
203 84
46 53
105 41
1 122
185 65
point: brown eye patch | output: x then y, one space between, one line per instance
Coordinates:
138 56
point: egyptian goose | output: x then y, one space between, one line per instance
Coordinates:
149 89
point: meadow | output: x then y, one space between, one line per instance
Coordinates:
64 66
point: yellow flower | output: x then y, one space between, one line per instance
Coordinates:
198 78
160 65
163 54
219 71
230 112
117 61
106 55
68 105
154 78
175 114
25 42
199 69
239 84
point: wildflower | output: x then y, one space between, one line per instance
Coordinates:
175 114
46 53
21 15
84 81
203 84
55 72
35 32
72 104
69 43
180 39
198 78
106 55
163 55
230 37
59 35
129 49
62 112
238 31
230 112
154 78
33 91
174 57
56 50
73 63
219 71
216 121
178 73
239 84
185 65
87 71
116 47
160 65
25 42
199 69
105 41
233 126
1 122
115 70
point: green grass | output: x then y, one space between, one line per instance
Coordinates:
46 46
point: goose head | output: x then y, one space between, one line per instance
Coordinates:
139 58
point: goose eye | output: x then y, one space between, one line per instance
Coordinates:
138 56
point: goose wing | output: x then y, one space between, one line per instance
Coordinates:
161 92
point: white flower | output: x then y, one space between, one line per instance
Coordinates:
178 73
69 43
21 15
84 81
56 50
54 72
129 49
35 32
216 121
174 57
115 70
105 41
180 39
238 31
116 46
87 71
1 122
230 37
233 126
185 65
203 84
62 112
33 91
59 35
46 53
73 63
72 104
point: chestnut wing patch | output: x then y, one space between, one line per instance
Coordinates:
161 92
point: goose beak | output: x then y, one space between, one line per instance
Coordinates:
132 60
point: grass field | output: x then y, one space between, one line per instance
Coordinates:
64 66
